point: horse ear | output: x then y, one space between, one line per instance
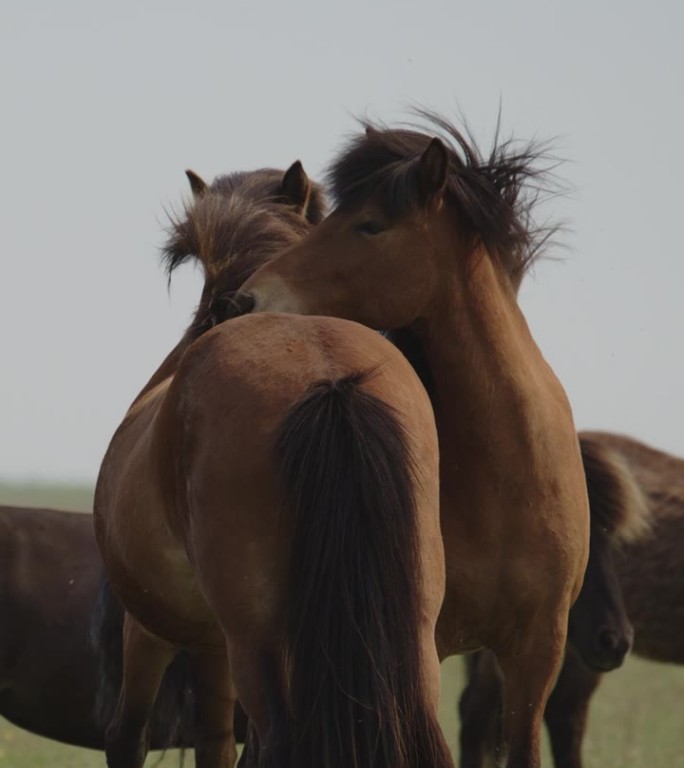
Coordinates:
433 166
197 184
296 187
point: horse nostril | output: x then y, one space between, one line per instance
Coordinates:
247 302
623 646
607 640
235 305
613 642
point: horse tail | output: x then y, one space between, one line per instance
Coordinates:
353 648
172 716
106 635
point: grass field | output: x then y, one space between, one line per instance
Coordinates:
71 497
637 717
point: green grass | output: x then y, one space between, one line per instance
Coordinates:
636 720
636 717
71 497
19 749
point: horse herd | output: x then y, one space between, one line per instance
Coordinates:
305 516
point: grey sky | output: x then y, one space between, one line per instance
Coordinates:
105 104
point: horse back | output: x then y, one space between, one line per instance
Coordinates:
650 565
49 561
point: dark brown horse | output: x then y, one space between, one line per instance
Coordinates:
50 574
429 236
650 571
599 633
599 626
270 503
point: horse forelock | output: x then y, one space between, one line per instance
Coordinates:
265 185
497 195
232 228
618 504
241 216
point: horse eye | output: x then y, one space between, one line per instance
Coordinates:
370 227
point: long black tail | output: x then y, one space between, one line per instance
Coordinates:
356 692
172 717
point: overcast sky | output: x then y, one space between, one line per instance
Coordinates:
105 104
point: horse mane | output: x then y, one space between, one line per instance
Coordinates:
497 195
236 225
617 501
660 475
236 211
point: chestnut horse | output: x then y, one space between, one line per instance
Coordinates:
429 236
599 633
271 503
50 574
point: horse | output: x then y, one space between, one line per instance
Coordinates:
430 237
650 571
50 577
599 634
270 503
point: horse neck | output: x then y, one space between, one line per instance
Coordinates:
476 331
489 377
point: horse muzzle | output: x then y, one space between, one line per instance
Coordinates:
609 650
236 304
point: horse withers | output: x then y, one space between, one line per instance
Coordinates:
429 236
270 504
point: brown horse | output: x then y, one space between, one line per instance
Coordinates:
599 628
650 571
599 632
429 236
50 574
270 503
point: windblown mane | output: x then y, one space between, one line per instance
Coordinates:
239 223
237 211
617 502
496 196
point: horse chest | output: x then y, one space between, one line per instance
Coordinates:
495 553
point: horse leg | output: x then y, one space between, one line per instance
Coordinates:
245 733
567 710
145 660
250 751
215 697
258 680
529 667
480 709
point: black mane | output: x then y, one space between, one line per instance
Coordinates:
496 196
